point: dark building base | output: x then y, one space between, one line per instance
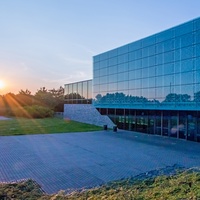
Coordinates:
178 124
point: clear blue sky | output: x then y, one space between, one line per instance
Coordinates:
51 42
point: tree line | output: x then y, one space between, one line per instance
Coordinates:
42 104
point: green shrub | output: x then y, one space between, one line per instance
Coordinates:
34 111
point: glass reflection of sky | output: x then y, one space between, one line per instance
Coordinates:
164 67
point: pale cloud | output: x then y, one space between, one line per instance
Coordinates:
74 61
69 77
85 48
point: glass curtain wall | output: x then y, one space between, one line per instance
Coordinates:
158 72
79 92
178 124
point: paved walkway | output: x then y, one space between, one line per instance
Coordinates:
77 160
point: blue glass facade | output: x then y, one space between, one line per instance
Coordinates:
153 85
158 72
78 92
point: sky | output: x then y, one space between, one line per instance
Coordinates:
49 43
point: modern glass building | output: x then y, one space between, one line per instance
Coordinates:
153 85
78 92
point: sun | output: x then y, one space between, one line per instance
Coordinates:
2 84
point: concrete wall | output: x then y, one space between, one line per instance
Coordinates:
86 113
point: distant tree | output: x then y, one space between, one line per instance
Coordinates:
57 93
53 98
197 96
45 98
173 97
25 92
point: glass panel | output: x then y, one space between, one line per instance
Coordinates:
186 40
187 78
158 125
89 89
191 127
187 65
173 125
183 29
169 45
198 127
123 58
85 90
80 90
66 89
123 50
187 52
182 125
166 117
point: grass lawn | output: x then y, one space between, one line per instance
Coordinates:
184 185
21 126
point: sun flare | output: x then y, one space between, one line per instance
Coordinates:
2 84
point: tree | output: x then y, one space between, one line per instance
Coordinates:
25 92
197 96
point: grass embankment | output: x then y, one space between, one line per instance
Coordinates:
184 185
22 126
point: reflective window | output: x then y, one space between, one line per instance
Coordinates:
168 68
103 79
85 89
123 58
113 53
112 70
169 45
112 61
122 76
168 57
131 84
187 78
197 76
96 66
80 89
187 65
122 86
112 78
70 88
197 36
159 59
177 79
132 56
197 63
152 71
187 52
79 92
96 73
123 67
165 35
160 81
186 40
197 50
145 62
152 60
157 71
183 29
103 71
135 45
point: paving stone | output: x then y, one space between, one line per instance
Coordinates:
81 160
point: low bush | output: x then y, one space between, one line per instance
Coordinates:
35 111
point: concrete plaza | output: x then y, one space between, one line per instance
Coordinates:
81 160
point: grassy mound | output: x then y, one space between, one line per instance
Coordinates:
183 185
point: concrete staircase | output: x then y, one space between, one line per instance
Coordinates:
86 113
